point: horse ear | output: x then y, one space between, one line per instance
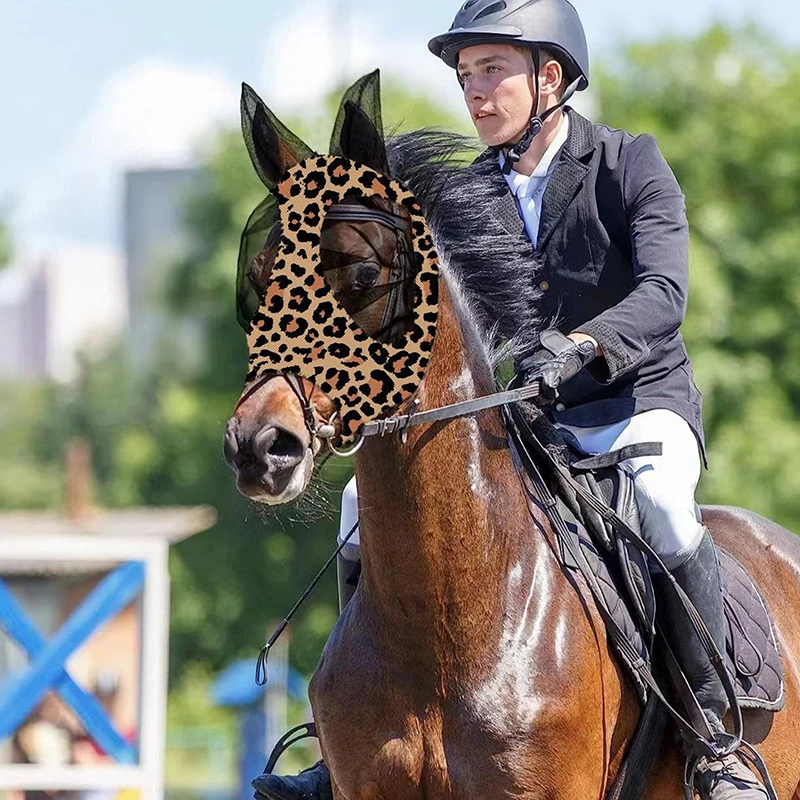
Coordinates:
272 146
358 132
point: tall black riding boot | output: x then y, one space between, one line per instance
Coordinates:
724 778
313 783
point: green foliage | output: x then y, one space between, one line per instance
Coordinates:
29 478
725 108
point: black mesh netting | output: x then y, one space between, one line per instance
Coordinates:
358 130
271 145
361 276
261 233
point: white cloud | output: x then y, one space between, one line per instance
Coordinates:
314 49
154 113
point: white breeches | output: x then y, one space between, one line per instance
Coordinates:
349 518
664 485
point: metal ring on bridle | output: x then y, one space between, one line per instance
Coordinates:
327 431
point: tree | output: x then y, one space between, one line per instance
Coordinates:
5 245
725 107
157 438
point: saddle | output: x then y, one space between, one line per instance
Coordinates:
590 502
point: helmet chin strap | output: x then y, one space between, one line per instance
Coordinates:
519 148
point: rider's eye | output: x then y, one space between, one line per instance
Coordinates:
366 277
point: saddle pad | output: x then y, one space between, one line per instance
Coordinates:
752 655
621 587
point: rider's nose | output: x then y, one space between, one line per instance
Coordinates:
474 90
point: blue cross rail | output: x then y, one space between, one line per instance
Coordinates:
19 696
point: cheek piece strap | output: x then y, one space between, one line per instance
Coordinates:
325 431
518 149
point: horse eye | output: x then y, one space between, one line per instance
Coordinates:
367 277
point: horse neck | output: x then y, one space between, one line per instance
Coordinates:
448 545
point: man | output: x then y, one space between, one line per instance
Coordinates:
608 221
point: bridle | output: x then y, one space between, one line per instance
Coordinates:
325 430
400 423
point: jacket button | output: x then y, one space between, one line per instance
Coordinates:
544 286
560 407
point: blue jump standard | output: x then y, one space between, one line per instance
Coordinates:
20 695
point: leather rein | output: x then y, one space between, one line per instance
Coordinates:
400 423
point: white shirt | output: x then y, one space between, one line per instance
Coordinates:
529 189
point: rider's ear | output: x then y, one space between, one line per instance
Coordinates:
358 132
272 146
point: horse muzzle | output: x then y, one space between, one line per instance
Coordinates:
272 464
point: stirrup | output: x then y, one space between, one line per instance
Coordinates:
749 757
307 730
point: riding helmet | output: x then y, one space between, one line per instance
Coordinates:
552 24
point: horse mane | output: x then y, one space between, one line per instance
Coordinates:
496 270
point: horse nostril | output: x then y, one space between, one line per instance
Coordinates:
278 447
230 446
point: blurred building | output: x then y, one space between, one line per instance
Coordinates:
156 236
51 309
24 322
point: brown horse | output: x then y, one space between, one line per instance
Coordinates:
467 665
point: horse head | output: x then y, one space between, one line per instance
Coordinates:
337 291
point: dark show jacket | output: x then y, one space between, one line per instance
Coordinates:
614 247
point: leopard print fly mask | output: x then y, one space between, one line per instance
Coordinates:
301 325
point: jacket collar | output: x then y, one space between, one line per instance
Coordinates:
563 186
580 141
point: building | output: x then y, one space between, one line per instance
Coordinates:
24 322
156 236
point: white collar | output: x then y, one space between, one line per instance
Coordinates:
519 183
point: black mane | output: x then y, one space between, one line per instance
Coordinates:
497 270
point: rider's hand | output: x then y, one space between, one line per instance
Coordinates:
558 359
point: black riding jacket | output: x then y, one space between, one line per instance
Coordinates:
614 247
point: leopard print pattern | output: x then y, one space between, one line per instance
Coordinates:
301 327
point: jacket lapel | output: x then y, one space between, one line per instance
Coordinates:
567 177
504 207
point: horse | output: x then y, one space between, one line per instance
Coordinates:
466 664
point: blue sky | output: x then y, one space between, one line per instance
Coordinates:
90 87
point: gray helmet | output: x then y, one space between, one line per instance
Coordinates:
552 24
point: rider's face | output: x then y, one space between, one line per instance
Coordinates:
498 90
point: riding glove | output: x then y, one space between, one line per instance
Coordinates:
558 360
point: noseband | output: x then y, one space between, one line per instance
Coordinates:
325 430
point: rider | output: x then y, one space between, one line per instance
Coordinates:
608 221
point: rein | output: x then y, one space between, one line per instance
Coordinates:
326 430
706 743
